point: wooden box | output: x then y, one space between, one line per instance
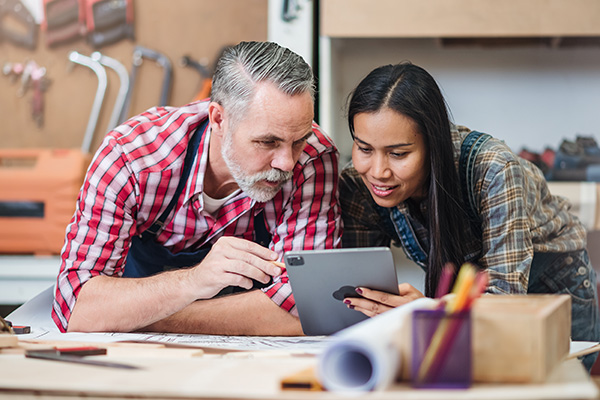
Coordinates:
518 338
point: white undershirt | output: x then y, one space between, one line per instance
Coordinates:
213 205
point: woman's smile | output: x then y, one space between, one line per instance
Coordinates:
382 190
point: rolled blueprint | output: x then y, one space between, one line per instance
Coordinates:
368 356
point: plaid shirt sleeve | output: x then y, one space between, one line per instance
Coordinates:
519 218
98 236
507 240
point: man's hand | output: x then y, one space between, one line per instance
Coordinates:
233 262
373 302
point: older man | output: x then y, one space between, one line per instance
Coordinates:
177 200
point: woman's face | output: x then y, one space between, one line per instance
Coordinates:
391 157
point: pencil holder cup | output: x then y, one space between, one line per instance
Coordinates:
441 349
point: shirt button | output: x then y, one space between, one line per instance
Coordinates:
586 283
582 270
569 260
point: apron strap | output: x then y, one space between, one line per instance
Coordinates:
187 168
468 153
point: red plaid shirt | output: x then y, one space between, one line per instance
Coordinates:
134 175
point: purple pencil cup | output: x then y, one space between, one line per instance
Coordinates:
451 367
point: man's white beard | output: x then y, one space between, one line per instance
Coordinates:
248 183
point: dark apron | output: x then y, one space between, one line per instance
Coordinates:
146 257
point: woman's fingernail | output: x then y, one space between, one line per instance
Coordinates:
350 306
358 290
346 301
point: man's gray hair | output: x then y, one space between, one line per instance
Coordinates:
244 65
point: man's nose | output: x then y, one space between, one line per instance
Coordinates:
284 159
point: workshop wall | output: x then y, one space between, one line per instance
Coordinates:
197 28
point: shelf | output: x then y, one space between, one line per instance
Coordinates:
459 18
23 277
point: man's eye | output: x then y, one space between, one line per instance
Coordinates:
300 143
364 149
267 143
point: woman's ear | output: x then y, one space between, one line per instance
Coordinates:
216 116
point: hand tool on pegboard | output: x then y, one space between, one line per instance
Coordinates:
39 84
205 76
100 72
40 186
64 21
13 12
12 70
30 76
123 88
139 53
108 21
25 78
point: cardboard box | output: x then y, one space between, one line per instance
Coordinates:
519 338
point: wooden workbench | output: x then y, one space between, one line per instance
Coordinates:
237 376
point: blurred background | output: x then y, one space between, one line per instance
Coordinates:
525 72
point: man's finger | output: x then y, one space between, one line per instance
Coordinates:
248 270
266 266
239 280
251 247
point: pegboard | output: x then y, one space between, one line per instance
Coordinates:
197 28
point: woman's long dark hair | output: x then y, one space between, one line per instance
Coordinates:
411 91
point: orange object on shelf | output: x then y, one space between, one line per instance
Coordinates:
38 190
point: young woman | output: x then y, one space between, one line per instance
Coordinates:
446 194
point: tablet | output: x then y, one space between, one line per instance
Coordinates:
321 279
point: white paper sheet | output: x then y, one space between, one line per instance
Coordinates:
36 312
365 356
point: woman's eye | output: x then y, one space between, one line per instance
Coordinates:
364 149
398 155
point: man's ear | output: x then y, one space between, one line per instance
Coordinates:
216 115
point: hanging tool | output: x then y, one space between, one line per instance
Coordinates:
123 88
98 69
139 53
30 75
205 75
15 10
25 77
64 21
39 83
12 70
108 21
